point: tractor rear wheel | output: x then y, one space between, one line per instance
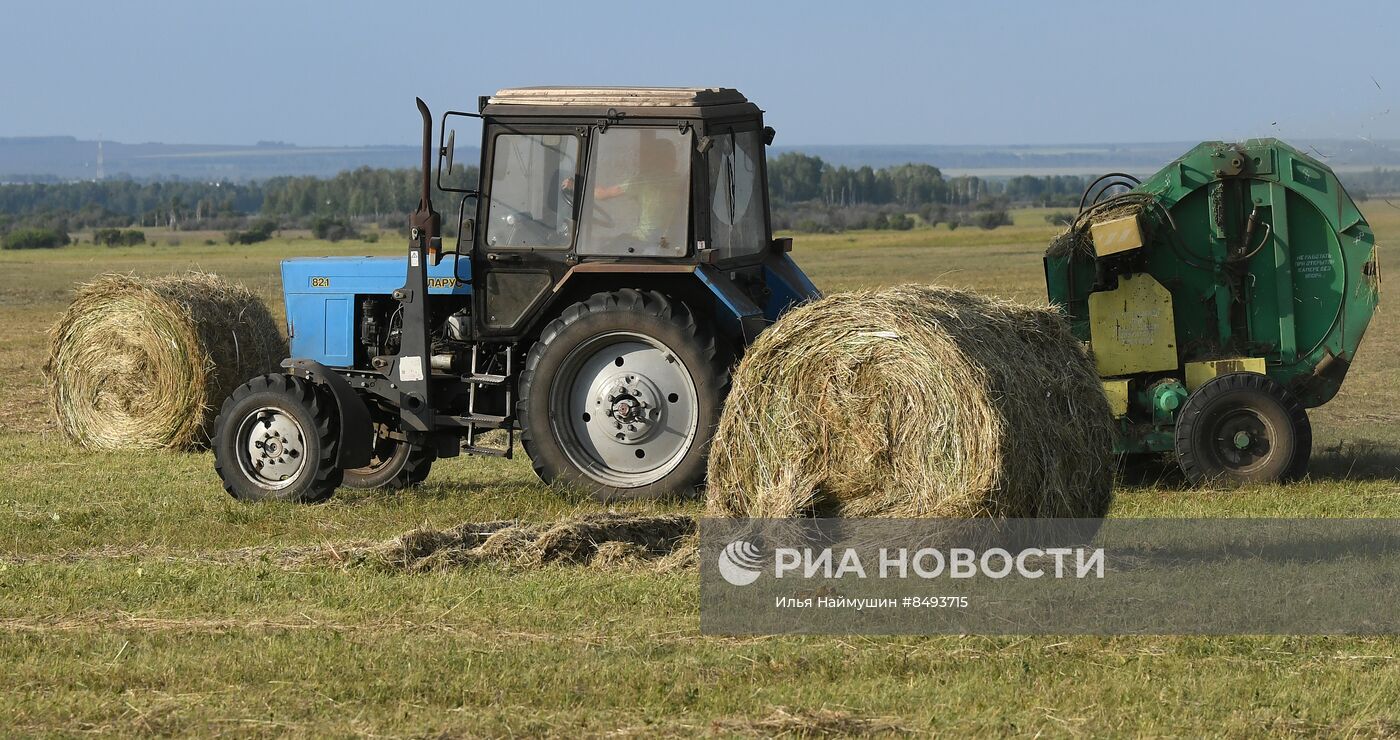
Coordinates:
621 395
1243 428
394 464
275 439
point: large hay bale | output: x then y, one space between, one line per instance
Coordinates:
144 363
914 402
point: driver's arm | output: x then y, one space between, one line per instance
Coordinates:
601 192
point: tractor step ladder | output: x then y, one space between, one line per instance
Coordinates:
476 422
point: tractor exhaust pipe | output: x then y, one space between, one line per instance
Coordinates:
410 367
425 222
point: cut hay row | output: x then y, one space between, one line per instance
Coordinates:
608 541
144 363
914 402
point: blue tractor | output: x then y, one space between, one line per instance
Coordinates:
610 264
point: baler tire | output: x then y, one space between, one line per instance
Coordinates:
645 316
299 406
1243 428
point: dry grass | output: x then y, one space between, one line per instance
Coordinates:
144 363
601 540
130 608
786 722
914 402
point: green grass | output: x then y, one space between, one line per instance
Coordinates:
126 608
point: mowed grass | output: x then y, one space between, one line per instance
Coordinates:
126 605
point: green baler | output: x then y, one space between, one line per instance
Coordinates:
1221 297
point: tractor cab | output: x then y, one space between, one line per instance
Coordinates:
611 261
577 179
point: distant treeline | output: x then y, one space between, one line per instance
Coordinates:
800 178
808 194
1375 183
362 195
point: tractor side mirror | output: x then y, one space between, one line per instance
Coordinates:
456 171
449 150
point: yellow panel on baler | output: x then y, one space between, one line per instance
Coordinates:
1116 391
1118 235
1132 327
1198 373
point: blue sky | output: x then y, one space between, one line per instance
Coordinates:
346 73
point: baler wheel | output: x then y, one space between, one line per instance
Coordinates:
1243 428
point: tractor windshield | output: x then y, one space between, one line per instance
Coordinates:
737 225
531 179
640 196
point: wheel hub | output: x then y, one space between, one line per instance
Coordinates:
632 411
1242 439
273 446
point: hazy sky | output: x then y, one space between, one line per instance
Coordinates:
852 72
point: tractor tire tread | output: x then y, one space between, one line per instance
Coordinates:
712 349
327 475
1190 458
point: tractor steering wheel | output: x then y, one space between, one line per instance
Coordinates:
600 217
566 191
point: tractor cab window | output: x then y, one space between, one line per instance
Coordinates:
639 199
531 177
737 225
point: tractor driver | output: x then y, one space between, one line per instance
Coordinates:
657 190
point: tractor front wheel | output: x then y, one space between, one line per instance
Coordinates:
275 438
1243 428
621 395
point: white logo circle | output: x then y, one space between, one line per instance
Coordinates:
739 563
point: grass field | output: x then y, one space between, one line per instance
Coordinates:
125 606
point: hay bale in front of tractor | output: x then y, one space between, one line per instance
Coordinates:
144 363
914 402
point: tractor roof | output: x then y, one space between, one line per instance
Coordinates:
644 102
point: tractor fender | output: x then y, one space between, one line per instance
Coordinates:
738 317
356 445
788 285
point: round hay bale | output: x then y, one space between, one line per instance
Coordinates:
145 363
914 402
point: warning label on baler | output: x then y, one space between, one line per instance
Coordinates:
1313 266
